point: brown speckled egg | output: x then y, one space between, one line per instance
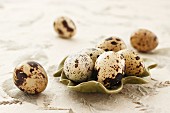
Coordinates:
110 68
30 77
112 44
144 40
65 27
78 67
134 64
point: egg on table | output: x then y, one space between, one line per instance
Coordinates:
94 53
110 67
30 77
78 67
144 40
65 27
134 64
112 44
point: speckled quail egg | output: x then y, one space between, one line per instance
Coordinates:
65 27
144 40
94 53
110 67
78 67
30 77
134 65
112 44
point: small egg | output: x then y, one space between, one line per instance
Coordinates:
134 64
110 67
112 44
30 77
94 53
78 67
65 27
144 40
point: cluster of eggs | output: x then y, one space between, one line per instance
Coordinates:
110 60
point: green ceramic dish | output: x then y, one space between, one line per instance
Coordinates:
94 86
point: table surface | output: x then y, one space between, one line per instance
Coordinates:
26 33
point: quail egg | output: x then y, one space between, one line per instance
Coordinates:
78 67
134 65
112 44
65 27
110 67
94 53
144 40
30 77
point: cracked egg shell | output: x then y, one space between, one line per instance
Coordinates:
134 64
30 77
112 44
144 40
94 53
110 68
78 67
65 27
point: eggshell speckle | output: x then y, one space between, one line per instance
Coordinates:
30 77
78 67
112 44
65 27
144 40
110 67
134 63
